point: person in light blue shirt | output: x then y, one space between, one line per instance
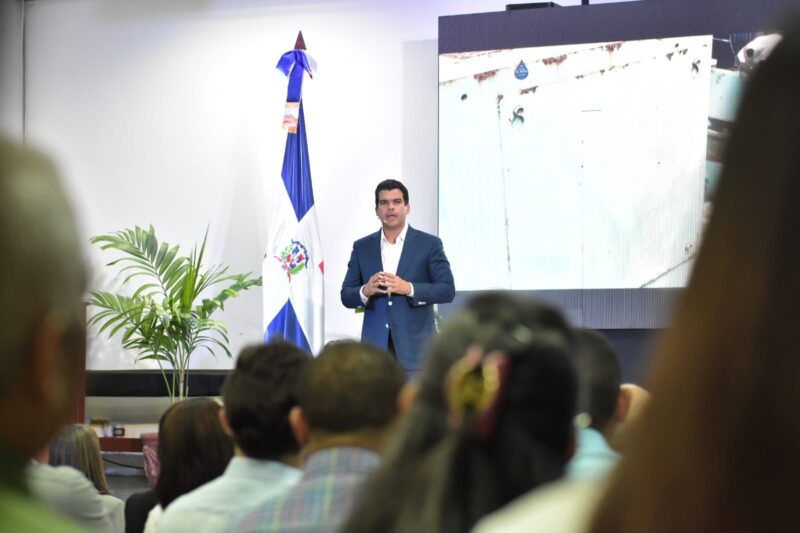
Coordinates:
258 396
605 405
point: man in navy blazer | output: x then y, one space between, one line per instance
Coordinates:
396 275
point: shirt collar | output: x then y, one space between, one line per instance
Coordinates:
400 238
248 467
340 459
590 438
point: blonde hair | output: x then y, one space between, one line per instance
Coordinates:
78 446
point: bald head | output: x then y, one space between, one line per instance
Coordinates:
41 271
42 279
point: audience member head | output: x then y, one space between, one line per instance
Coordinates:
600 374
42 279
486 426
77 446
717 447
193 448
390 185
258 396
348 396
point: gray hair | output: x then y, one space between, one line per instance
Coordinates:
41 268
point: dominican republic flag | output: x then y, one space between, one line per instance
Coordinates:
293 266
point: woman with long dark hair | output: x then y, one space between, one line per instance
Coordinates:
492 420
718 446
193 449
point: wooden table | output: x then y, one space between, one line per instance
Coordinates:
121 444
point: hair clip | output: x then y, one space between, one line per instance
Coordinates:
474 384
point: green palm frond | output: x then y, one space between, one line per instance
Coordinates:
162 320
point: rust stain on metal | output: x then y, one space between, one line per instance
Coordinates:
483 76
471 55
613 47
529 90
555 60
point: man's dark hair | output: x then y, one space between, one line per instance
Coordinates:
258 396
351 386
600 377
390 185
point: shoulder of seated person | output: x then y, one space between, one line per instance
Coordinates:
63 473
564 505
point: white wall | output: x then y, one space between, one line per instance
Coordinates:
168 113
11 68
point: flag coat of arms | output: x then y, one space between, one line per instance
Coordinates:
293 265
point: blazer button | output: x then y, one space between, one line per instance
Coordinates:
387 326
390 303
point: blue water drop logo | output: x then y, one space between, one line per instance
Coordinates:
521 72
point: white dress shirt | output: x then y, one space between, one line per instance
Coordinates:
390 253
390 257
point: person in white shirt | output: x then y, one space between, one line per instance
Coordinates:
67 491
77 445
258 396
193 449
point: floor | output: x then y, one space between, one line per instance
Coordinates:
125 473
124 486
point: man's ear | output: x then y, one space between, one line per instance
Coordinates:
299 424
569 451
38 399
406 398
51 379
223 421
623 405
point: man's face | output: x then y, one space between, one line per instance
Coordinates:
392 209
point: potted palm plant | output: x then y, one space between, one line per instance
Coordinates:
165 318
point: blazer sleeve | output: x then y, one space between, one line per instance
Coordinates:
351 286
441 288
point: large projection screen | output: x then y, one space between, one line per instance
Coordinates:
579 147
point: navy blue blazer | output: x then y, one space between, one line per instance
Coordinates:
410 320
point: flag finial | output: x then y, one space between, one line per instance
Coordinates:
300 44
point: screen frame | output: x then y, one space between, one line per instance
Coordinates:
625 21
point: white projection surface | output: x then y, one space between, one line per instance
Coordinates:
587 173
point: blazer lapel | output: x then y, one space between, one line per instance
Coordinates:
375 262
409 249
